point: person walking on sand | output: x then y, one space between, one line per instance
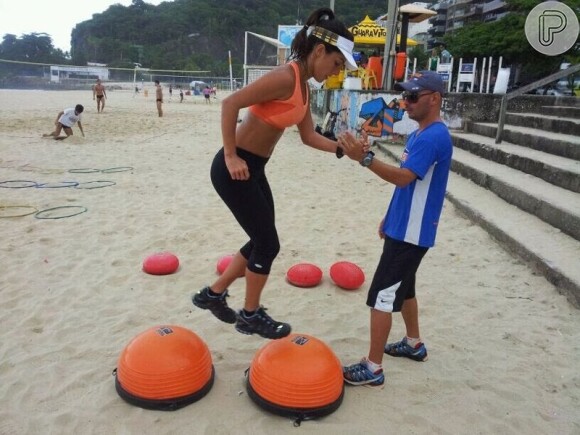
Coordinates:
65 121
277 100
159 98
409 227
100 94
206 94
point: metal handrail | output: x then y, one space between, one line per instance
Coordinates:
520 91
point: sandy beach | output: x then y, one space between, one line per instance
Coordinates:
503 344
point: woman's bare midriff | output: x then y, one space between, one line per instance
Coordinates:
257 137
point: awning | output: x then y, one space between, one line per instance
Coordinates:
269 40
370 33
416 13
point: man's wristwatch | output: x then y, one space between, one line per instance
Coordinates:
339 152
367 159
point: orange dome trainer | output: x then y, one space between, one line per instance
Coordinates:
164 368
297 376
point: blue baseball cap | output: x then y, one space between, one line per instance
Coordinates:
422 81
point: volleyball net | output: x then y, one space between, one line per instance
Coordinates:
261 55
34 75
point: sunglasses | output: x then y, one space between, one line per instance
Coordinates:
413 97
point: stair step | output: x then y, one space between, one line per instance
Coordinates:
554 169
545 122
566 111
550 251
554 143
556 206
554 254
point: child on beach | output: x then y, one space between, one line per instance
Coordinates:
206 94
65 121
276 101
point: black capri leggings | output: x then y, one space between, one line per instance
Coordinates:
252 205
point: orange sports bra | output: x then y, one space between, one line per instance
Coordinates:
283 113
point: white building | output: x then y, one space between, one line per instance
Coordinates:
59 72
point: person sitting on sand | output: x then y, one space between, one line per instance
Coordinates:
65 121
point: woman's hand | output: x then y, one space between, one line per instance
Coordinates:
237 168
354 148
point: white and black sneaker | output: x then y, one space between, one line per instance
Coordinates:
262 324
216 304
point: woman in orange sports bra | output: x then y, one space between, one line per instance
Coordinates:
277 100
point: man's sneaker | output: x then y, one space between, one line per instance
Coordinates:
402 348
216 304
262 324
359 374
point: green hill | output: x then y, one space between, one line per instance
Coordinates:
196 34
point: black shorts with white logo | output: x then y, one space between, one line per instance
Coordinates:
394 279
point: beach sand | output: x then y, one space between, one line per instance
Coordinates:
504 345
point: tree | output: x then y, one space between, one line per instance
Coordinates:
32 47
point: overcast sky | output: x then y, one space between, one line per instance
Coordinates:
54 17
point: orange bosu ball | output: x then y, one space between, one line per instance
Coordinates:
164 368
304 275
347 275
297 376
162 263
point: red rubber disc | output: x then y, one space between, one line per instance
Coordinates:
347 275
304 275
162 263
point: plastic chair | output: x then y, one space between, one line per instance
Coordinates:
368 78
372 81
376 68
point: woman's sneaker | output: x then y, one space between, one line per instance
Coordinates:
402 348
216 304
360 374
262 324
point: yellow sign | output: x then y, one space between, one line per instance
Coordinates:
370 33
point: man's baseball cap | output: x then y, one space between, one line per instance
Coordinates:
422 81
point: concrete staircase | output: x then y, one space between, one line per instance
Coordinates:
525 191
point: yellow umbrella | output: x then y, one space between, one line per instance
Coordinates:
370 33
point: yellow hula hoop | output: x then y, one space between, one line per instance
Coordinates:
2 207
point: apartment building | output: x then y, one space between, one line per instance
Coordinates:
455 14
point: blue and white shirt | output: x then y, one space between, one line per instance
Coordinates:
414 211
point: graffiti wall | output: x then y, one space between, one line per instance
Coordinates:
381 112
379 115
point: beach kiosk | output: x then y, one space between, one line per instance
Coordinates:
370 35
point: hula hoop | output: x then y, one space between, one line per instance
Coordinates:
28 168
58 185
34 210
84 171
94 184
32 184
39 215
118 169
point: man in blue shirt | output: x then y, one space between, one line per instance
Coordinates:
409 227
